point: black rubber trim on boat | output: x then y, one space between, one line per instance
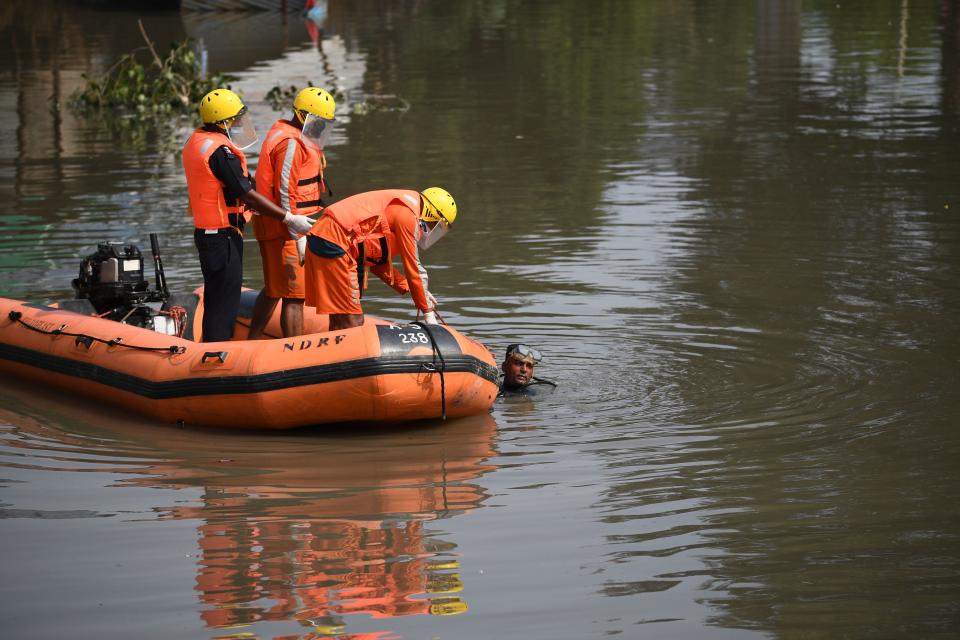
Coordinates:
244 384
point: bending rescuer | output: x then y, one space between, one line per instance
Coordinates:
221 200
401 223
291 174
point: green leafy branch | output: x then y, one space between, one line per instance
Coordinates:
163 87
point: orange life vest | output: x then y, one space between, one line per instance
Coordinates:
362 215
293 186
392 214
210 209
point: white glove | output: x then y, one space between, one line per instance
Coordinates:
302 248
431 300
430 317
297 224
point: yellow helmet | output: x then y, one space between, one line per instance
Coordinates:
220 105
438 204
316 101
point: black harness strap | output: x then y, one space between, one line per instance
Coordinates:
360 265
317 178
384 253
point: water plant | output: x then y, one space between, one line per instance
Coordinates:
156 90
280 98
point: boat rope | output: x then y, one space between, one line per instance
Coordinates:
85 340
443 367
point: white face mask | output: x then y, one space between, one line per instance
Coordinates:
242 133
316 130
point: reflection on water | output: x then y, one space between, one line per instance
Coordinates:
293 529
76 182
336 530
731 229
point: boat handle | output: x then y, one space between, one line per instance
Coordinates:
219 355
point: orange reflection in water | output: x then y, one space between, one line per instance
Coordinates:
316 572
294 535
308 527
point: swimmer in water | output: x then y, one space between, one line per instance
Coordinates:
518 379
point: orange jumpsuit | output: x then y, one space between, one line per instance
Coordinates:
290 173
332 282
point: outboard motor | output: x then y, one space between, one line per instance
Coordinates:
112 279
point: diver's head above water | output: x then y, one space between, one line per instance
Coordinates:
518 365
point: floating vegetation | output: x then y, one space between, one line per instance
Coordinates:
380 102
280 98
139 98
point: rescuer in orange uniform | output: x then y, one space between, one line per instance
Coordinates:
401 221
291 174
221 196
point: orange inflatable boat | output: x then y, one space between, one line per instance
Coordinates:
377 373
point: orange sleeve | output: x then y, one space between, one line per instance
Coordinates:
405 231
392 277
286 157
270 172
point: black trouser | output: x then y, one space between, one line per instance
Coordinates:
221 261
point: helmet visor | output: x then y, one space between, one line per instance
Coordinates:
431 232
241 131
316 130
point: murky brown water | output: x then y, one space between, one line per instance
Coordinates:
730 227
